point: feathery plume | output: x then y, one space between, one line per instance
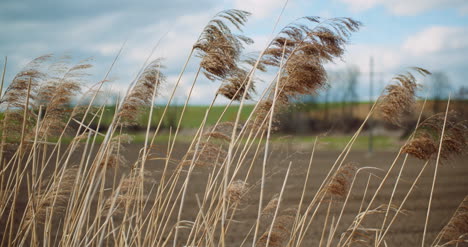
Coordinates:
236 191
218 47
57 96
456 230
339 185
269 210
115 157
303 50
207 155
425 144
16 93
15 96
56 195
220 132
217 136
141 94
399 98
280 232
234 86
422 147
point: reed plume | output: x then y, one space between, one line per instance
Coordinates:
217 136
269 210
422 147
141 95
208 154
456 230
218 47
280 233
302 51
114 157
425 146
234 86
57 95
212 150
21 89
16 93
339 185
306 49
55 196
236 191
220 132
399 98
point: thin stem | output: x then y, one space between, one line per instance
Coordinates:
279 202
435 173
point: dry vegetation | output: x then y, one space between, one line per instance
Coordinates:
216 191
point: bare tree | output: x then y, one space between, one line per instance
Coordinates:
440 88
462 93
349 79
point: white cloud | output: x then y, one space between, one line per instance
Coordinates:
259 8
437 48
404 7
437 39
107 48
175 44
360 5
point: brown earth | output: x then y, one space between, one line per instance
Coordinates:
451 188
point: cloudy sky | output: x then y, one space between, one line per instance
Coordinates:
397 33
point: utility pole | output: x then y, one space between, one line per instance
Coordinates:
371 91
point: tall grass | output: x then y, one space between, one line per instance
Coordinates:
87 193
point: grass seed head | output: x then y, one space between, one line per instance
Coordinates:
456 230
425 144
236 191
141 95
339 185
280 232
218 47
399 98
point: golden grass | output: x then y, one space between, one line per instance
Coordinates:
88 194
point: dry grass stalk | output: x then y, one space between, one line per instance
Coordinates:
365 235
141 94
399 98
129 194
